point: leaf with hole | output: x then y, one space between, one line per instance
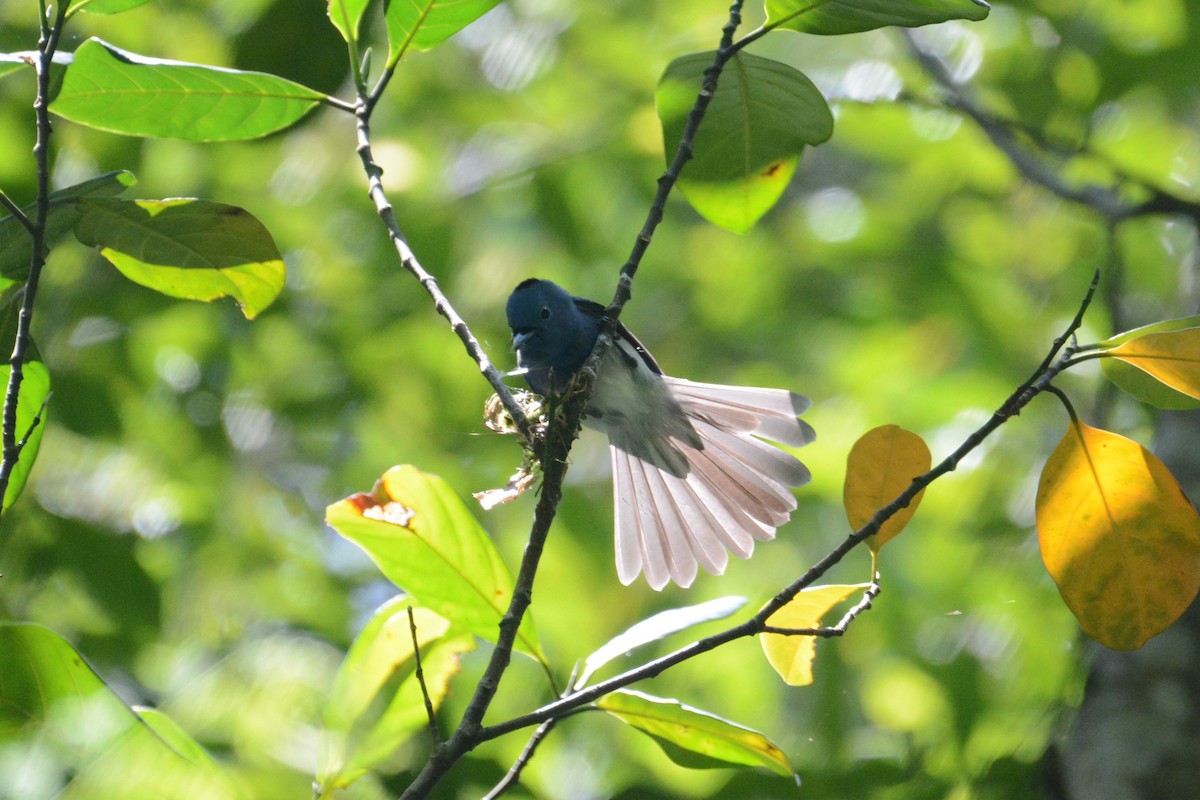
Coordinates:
425 541
694 738
186 248
112 90
749 143
792 655
881 465
376 702
832 17
1118 536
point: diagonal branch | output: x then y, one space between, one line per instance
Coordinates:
1038 382
409 261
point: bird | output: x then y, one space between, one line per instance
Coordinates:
694 477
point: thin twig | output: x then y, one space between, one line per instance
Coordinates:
10 450
1034 167
16 211
434 736
513 775
683 154
408 260
839 629
1038 382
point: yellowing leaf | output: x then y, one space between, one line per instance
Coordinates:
1118 536
694 738
881 465
1172 357
425 541
792 656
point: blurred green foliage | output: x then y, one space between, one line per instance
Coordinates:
173 527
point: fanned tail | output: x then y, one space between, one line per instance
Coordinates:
736 490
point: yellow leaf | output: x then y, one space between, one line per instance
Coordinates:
1172 357
792 656
1118 536
881 465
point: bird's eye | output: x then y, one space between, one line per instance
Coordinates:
545 312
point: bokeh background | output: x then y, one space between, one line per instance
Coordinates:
913 274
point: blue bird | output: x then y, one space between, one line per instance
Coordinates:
693 478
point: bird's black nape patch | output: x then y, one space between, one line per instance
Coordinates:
527 282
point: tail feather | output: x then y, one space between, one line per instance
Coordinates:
731 492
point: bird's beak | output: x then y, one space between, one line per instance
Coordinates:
519 339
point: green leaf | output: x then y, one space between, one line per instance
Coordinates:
112 90
11 63
657 627
186 248
1118 536
425 541
1141 383
35 390
750 141
832 17
55 706
106 6
346 16
694 738
421 24
376 702
15 243
175 737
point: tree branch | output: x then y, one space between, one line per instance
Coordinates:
10 448
408 260
1106 201
666 182
1038 382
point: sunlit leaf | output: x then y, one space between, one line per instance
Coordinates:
749 143
792 656
82 731
112 90
425 541
106 6
852 16
15 244
657 627
176 737
694 738
881 465
10 64
1142 385
1118 536
1171 357
420 24
31 404
191 249
376 702
346 16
